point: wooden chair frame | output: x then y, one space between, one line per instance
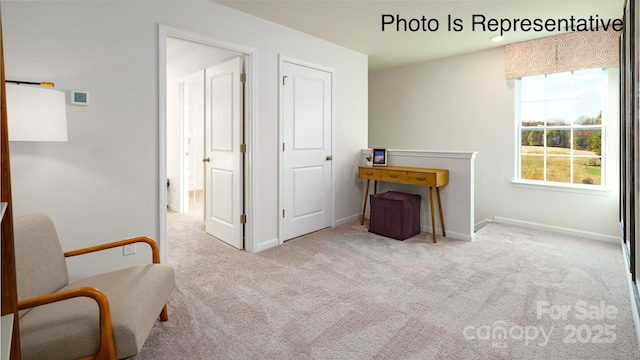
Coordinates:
107 348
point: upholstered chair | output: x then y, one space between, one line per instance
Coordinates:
106 316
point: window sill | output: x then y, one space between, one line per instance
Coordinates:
572 188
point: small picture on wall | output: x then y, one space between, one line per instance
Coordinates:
379 157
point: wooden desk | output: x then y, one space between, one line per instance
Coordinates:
433 178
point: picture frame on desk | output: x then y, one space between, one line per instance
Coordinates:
379 157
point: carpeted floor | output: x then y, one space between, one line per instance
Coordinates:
345 293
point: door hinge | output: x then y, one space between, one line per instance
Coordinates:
243 77
282 212
282 146
243 148
243 219
283 79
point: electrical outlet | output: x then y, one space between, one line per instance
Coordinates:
129 249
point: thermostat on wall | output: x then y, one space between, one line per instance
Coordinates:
79 97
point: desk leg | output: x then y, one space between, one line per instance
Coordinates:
433 215
440 208
364 205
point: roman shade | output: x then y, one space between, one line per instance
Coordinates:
559 53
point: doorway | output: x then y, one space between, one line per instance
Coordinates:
183 57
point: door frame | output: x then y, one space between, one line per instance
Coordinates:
250 127
332 206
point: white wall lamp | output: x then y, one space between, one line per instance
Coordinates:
35 113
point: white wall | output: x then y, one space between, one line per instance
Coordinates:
103 184
464 103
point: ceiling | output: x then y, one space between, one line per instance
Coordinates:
358 24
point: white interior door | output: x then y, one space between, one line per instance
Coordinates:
223 155
307 112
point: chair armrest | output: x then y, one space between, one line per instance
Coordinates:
154 247
107 348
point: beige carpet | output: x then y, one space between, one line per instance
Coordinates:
344 293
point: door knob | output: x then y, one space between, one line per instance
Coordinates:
206 159
329 157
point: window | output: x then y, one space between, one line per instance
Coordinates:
560 126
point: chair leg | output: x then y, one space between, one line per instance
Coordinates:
164 314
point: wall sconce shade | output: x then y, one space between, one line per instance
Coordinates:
36 114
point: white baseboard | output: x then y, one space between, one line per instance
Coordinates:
558 229
266 245
481 224
347 219
173 208
461 236
450 234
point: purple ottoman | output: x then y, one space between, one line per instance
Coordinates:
395 214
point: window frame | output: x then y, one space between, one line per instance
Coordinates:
604 187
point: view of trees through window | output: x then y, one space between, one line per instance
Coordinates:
560 127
